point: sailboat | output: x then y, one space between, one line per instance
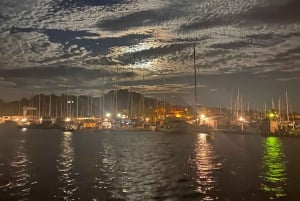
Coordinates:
179 125
175 125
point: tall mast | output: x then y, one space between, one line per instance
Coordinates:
195 76
143 103
164 103
67 88
265 109
287 106
279 109
103 98
39 106
117 88
56 106
241 106
77 98
50 104
237 104
231 104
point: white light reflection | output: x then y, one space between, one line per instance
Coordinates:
22 181
66 175
206 166
24 129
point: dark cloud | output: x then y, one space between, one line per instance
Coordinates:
204 23
63 36
77 4
54 72
103 61
289 52
137 19
270 39
57 78
266 36
276 12
4 83
62 71
215 52
234 45
96 44
14 30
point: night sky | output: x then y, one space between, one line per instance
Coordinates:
54 46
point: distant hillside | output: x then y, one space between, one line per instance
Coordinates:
55 105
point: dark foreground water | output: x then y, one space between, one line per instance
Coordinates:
44 165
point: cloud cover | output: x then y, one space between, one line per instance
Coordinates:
85 40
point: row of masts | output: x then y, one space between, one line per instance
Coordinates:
79 106
67 105
238 108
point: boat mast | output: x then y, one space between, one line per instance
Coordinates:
103 98
164 98
50 104
77 98
237 104
56 97
143 99
195 76
231 104
265 109
117 88
279 109
39 106
287 106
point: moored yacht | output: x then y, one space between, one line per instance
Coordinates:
175 125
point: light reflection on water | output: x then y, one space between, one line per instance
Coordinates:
207 166
106 173
130 169
274 168
21 181
102 166
66 175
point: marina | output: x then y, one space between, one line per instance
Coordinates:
120 100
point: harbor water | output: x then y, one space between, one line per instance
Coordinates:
46 165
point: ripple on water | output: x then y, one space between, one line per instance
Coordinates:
128 166
20 180
66 176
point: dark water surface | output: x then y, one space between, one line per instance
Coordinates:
41 165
